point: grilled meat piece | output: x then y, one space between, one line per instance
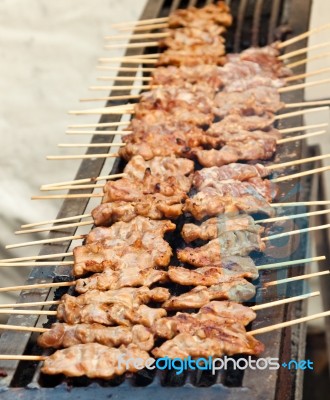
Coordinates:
197 55
215 311
127 189
64 335
138 229
209 203
233 123
163 167
213 227
231 243
240 172
121 307
254 101
128 277
93 360
154 206
211 340
231 288
218 14
199 74
206 276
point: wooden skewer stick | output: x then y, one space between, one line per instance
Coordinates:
297 162
144 27
50 240
126 69
113 98
289 323
127 87
300 112
21 357
72 187
296 278
307 74
91 145
111 133
54 228
68 196
302 85
302 203
54 221
285 264
106 155
23 328
130 60
78 181
140 22
302 36
300 137
37 286
303 128
302 51
143 57
99 125
308 59
139 45
82 156
32 304
301 174
28 312
309 104
284 301
125 78
43 257
104 111
138 36
287 217
35 263
297 231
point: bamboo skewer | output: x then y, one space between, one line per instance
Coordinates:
289 323
140 22
138 45
126 69
84 180
99 125
110 98
302 128
105 133
73 187
138 36
302 203
23 328
31 304
50 240
297 162
285 264
304 230
68 196
284 301
307 74
42 257
124 78
122 87
302 36
54 221
54 228
35 263
302 51
106 155
300 112
287 217
308 59
301 174
144 27
302 85
297 278
37 286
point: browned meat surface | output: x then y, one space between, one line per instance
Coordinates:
138 229
213 227
128 277
255 101
127 189
240 172
215 311
115 307
154 206
64 335
211 340
190 57
231 243
163 167
258 187
206 276
218 13
233 123
171 75
93 360
209 203
231 288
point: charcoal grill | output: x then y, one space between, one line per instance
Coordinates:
256 22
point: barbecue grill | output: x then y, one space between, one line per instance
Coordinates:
256 22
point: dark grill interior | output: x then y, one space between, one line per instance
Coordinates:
256 22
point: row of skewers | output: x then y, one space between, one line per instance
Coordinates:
182 151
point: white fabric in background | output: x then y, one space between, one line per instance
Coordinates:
48 53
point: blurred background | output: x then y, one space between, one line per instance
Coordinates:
49 50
